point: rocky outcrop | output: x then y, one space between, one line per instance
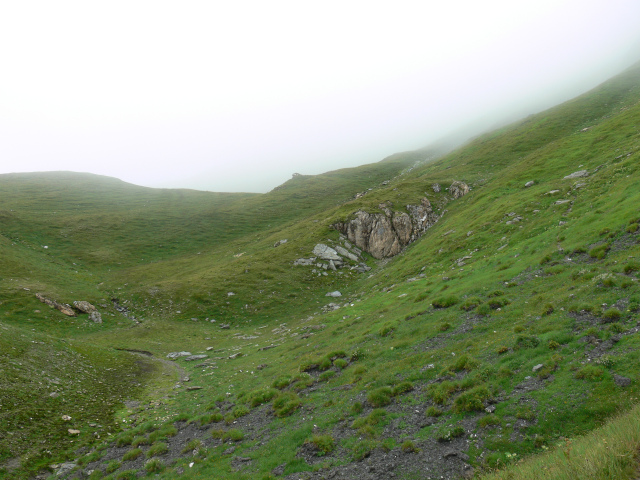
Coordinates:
458 189
86 307
386 234
64 308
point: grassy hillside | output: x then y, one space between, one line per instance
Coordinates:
509 330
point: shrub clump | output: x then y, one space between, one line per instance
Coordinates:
526 341
259 397
154 465
471 400
600 251
323 444
132 454
408 447
590 372
441 392
401 388
158 448
285 404
445 301
380 397
611 315
470 303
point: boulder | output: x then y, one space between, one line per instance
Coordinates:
458 189
84 307
529 184
335 294
346 253
436 187
578 174
325 252
191 358
280 242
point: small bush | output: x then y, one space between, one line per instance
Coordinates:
464 362
484 309
547 309
502 350
194 444
357 408
380 397
472 400
526 341
408 447
217 433
489 421
281 382
525 413
362 449
326 375
600 251
159 448
112 466
259 397
444 326
615 328
631 267
445 301
285 404
611 315
240 411
132 454
553 345
590 372
470 303
233 435
137 441
633 228
340 363
441 392
448 434
325 364
154 465
301 381
401 388
433 412
387 329
124 440
308 365
324 444
357 354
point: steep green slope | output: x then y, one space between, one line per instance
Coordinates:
510 325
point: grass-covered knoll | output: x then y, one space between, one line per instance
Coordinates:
510 326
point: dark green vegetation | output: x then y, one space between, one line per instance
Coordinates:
510 326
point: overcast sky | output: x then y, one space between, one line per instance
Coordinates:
238 95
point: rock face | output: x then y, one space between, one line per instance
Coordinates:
386 234
66 309
324 252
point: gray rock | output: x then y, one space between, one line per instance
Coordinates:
280 242
334 294
304 261
540 366
459 189
490 409
529 184
578 174
65 468
436 187
174 355
621 381
95 317
346 253
191 358
83 306
325 252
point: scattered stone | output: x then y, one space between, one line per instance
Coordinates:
73 432
334 294
436 187
262 366
560 202
66 418
346 253
279 470
235 355
330 307
174 355
540 366
229 451
230 294
65 468
242 459
225 326
193 387
552 192
280 242
529 184
578 174
490 409
305 261
191 358
65 309
95 317
621 381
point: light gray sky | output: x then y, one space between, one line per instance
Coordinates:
238 95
